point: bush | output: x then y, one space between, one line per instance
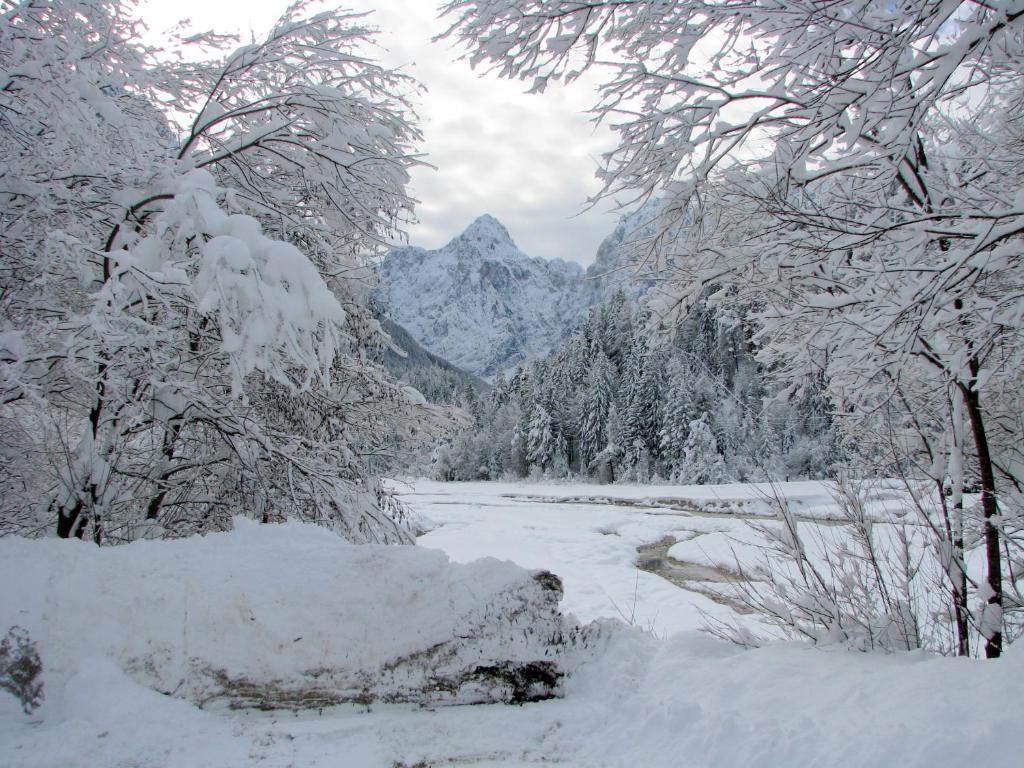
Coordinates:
21 669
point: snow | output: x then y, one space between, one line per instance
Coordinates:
661 698
592 547
722 548
288 608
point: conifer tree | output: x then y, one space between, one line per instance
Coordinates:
702 463
596 400
541 442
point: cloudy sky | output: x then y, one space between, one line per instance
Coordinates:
528 160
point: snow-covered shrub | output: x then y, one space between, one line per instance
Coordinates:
862 582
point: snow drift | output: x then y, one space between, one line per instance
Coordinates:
273 616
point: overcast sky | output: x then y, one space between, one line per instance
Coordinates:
528 160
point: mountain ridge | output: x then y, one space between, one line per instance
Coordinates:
483 304
434 377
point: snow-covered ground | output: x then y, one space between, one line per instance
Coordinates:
658 694
592 546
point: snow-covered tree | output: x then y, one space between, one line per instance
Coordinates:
634 425
175 232
641 406
856 170
596 400
677 414
701 462
541 439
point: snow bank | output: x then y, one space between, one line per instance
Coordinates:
885 500
288 616
698 702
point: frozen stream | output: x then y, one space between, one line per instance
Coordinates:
594 536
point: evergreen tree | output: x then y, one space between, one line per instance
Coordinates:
595 402
677 413
640 398
702 463
541 441
637 424
616 329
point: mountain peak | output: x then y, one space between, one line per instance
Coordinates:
479 302
487 230
484 305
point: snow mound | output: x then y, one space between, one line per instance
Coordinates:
290 616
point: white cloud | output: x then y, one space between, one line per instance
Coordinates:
528 160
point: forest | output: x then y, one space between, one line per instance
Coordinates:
613 403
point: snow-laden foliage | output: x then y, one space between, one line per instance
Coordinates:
855 170
180 337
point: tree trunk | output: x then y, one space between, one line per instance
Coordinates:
171 434
958 596
990 511
955 526
66 519
72 521
960 606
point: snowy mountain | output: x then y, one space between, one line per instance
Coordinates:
480 302
434 377
620 263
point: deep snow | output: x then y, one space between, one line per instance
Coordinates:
643 700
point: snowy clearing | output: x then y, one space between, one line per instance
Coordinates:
663 698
